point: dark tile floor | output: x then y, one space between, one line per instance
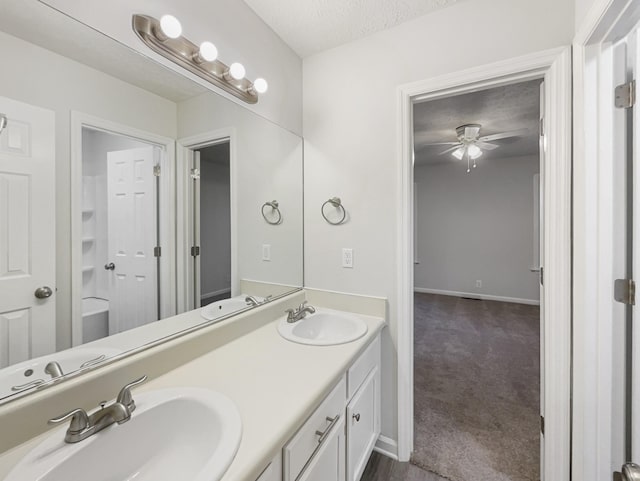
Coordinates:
382 468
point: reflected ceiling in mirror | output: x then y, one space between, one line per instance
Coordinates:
136 195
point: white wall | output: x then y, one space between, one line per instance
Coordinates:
477 226
350 127
42 78
582 7
268 163
239 34
215 220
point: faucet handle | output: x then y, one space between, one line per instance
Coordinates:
301 306
124 396
79 420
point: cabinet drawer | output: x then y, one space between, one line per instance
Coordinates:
306 441
360 369
327 463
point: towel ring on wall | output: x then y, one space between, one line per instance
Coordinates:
274 207
337 203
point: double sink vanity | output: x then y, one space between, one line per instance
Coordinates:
284 392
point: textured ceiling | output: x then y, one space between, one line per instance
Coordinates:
41 25
500 109
310 26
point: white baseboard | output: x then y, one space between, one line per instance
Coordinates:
475 295
387 447
209 295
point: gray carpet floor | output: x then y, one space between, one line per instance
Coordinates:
477 389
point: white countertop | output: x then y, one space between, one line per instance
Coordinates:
276 384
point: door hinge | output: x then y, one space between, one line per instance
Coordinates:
541 127
195 174
542 424
157 251
624 291
156 170
625 95
541 276
195 251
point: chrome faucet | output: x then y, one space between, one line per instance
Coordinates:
294 315
251 301
84 425
53 369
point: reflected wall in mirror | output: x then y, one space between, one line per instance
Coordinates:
128 194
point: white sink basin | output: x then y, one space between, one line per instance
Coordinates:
184 434
29 373
219 309
324 328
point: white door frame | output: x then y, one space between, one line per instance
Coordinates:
80 120
555 67
185 147
598 447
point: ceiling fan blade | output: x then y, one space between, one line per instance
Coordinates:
451 149
439 143
504 135
486 145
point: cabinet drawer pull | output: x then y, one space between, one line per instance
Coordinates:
357 417
323 434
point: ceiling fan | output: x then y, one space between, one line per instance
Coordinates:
471 145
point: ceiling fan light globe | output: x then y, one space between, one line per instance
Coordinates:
458 153
474 151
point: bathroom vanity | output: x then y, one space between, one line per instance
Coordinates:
308 412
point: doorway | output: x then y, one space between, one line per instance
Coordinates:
120 233
212 223
122 228
207 224
555 68
477 336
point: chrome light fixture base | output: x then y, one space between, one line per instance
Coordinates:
185 53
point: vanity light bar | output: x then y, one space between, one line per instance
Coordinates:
187 54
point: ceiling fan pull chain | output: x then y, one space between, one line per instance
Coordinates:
468 162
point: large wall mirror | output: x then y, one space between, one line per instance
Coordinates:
134 203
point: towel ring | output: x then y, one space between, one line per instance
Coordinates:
274 207
337 203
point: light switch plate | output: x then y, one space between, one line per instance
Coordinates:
266 252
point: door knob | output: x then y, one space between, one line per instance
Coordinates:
110 266
43 292
630 472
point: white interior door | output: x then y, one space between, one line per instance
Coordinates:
27 226
633 454
132 237
539 257
626 67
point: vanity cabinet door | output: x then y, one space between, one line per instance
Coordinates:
273 472
363 425
328 462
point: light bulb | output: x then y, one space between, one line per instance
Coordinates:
458 153
474 151
208 51
237 71
170 26
260 85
